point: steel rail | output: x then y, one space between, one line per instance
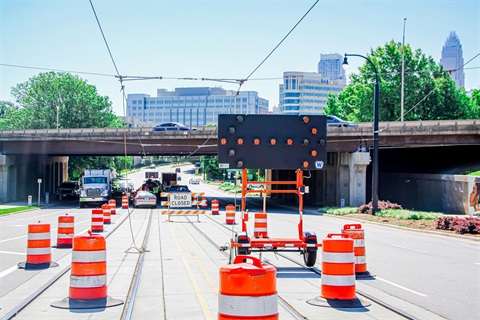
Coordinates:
15 311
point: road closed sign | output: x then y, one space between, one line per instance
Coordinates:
180 200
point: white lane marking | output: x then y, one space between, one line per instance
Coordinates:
9 252
477 263
406 248
8 271
10 239
401 287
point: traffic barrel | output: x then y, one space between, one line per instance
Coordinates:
88 277
107 213
97 220
124 202
39 252
204 203
260 225
230 214
215 207
66 231
355 232
248 290
113 206
338 273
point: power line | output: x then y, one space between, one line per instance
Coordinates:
57 70
271 52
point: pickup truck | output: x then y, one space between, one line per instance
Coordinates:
68 189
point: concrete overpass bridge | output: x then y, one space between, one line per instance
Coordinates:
405 147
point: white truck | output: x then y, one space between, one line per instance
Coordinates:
96 187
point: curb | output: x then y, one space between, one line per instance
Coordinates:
437 233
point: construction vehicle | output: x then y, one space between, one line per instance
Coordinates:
96 186
168 179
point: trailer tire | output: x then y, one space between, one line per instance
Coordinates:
310 257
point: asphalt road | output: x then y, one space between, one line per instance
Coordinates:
437 273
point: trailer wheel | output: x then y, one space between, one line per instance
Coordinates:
310 257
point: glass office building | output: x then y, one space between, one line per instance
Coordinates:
452 59
306 92
193 106
330 67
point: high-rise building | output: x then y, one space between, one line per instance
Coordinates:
330 67
452 59
306 92
192 106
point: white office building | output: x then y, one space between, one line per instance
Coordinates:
452 59
306 92
330 67
195 106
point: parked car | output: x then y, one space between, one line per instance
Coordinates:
153 166
333 121
179 188
145 199
68 189
194 181
175 126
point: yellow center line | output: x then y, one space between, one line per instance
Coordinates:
201 298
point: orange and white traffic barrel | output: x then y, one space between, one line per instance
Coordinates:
338 273
215 207
107 214
230 214
88 277
97 220
39 252
113 206
355 232
260 225
248 290
66 231
124 202
204 203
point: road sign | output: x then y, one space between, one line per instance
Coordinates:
272 141
180 200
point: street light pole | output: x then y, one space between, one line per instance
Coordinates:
375 132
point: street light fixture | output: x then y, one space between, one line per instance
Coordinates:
375 132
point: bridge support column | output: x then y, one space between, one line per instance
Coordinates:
352 177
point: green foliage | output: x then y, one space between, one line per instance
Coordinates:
475 173
408 215
76 165
422 75
210 167
37 101
16 209
339 211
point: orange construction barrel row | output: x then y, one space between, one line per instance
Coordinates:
215 207
39 252
204 203
230 214
107 214
355 232
66 231
260 225
124 202
97 220
113 206
248 290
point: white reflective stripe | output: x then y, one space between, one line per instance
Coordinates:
89 256
259 229
261 220
329 280
311 244
65 235
360 259
337 257
39 236
88 281
267 245
358 243
246 306
97 223
36 251
289 245
97 215
66 225
245 245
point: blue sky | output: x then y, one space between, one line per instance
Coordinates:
217 39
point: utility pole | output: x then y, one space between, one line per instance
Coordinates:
403 71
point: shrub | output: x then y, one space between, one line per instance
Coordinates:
382 205
339 211
408 215
459 224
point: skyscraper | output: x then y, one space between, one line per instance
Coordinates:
330 67
452 59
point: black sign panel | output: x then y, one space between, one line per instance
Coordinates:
272 141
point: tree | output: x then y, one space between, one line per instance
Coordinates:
430 93
77 164
77 103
